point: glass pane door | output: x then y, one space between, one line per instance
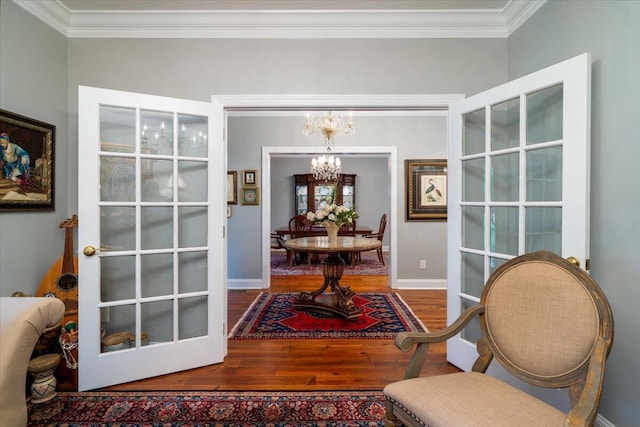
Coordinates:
152 236
518 182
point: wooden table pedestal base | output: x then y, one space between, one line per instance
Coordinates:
339 301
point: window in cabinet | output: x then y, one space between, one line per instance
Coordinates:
312 194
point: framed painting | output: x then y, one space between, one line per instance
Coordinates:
426 185
250 196
249 177
26 163
232 187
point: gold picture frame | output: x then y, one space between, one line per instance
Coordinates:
250 177
26 163
232 187
426 185
250 196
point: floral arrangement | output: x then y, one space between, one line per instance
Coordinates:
337 214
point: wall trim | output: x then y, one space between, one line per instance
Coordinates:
244 284
289 24
421 284
602 422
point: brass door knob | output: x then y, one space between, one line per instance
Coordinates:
92 250
573 260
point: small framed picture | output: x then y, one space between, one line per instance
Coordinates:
249 177
232 187
229 212
250 196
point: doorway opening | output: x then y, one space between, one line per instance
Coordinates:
383 105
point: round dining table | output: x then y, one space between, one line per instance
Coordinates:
340 300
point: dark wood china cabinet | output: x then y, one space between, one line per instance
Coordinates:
312 194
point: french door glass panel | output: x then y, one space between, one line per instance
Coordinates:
154 229
517 161
544 115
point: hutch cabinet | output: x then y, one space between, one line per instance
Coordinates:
312 194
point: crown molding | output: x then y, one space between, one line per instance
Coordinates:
299 24
335 101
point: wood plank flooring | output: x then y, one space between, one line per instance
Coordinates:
310 364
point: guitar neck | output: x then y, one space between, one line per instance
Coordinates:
67 259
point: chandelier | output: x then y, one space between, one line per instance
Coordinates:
328 126
327 167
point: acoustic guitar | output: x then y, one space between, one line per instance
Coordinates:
61 281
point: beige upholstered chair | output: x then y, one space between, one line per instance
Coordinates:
22 321
546 322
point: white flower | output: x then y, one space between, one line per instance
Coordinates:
338 215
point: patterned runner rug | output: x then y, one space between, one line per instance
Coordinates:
202 408
369 266
271 316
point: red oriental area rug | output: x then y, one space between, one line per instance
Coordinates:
271 316
202 408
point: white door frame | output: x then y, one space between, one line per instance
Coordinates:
391 153
309 102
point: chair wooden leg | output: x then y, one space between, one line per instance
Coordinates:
390 420
380 256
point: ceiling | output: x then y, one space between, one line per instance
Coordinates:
283 18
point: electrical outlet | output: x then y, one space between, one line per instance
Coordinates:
423 264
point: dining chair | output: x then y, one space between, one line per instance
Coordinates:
278 242
299 226
378 235
545 321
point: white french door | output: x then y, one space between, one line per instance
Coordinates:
518 182
152 268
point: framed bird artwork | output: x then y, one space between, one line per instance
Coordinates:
426 190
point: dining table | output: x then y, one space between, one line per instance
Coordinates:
340 300
319 230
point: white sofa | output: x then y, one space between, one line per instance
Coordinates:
22 321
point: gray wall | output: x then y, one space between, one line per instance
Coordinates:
36 81
414 136
35 62
608 30
33 83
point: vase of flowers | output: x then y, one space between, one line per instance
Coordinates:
332 217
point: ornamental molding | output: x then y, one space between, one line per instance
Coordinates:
288 24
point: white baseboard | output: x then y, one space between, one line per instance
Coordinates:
602 422
419 284
243 284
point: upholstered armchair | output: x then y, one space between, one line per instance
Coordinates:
22 321
546 322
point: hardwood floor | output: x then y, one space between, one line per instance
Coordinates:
310 364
